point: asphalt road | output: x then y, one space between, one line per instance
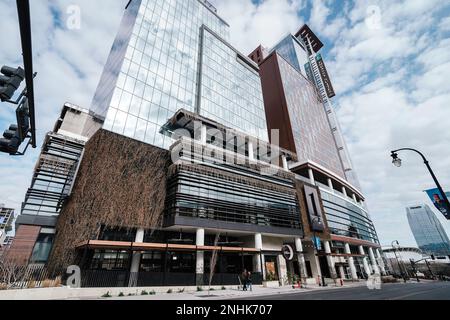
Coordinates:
400 291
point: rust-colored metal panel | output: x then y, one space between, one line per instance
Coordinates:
23 244
277 114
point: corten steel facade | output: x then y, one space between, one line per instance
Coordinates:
298 104
301 51
428 231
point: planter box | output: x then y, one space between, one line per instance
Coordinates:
271 284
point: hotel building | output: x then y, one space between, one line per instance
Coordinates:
182 176
298 96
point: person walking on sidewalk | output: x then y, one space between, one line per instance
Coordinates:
244 280
249 281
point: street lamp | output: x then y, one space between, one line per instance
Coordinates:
396 257
317 219
398 163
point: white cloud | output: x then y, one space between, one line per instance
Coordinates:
391 81
60 56
264 23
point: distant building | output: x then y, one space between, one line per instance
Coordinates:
6 218
8 240
410 259
428 231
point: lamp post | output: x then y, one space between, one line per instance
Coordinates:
396 257
317 219
398 163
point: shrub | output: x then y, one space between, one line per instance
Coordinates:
47 283
169 291
152 293
388 279
181 290
199 289
121 294
58 282
223 288
3 286
144 293
106 295
31 284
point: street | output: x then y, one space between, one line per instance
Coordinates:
400 291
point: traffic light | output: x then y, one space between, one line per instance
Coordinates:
23 120
17 133
10 142
10 80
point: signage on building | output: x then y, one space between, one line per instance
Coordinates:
314 208
288 252
317 243
438 200
325 77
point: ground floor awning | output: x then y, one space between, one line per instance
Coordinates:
138 246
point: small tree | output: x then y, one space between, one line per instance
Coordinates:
12 271
213 262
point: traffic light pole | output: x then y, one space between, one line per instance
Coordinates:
23 10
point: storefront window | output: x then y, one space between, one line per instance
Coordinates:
42 248
152 261
181 262
110 260
271 266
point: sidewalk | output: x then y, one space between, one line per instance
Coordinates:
258 291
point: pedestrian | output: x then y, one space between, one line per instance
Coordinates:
244 280
249 281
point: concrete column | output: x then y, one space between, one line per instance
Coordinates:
251 151
257 261
136 259
199 264
311 176
351 263
365 263
344 191
342 272
285 163
203 134
330 259
354 198
282 269
300 257
380 262
330 184
374 261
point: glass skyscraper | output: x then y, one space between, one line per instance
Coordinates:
428 231
172 55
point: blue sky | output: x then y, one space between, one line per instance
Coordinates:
389 62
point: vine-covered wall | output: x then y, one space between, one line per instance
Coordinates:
121 183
